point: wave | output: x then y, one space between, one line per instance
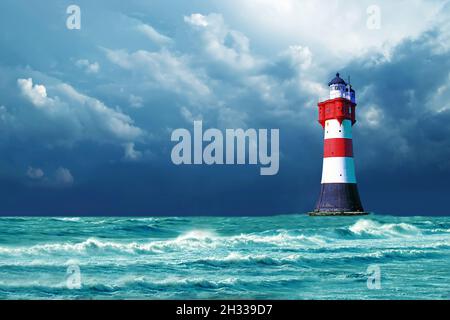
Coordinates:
178 282
91 243
68 219
124 283
193 238
439 230
312 260
279 240
192 241
370 227
235 258
196 235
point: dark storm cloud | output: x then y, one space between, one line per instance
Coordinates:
404 159
411 91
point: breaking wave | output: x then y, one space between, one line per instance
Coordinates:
190 240
369 227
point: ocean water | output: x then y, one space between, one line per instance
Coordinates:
282 257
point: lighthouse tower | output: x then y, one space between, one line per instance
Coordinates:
339 192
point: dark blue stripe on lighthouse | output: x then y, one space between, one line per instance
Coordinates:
339 198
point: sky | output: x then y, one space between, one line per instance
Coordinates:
86 115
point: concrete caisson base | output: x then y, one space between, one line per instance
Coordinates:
337 214
339 198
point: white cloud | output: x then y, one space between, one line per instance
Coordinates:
441 42
136 101
231 48
89 68
334 30
439 101
164 68
79 116
5 116
36 94
189 116
99 117
131 153
154 35
299 56
221 43
372 116
231 118
63 177
35 173
197 19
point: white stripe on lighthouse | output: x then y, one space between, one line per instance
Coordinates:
334 130
338 170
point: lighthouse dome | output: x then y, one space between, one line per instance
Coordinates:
337 80
338 88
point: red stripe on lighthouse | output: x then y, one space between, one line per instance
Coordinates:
338 147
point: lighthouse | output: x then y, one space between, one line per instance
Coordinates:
339 191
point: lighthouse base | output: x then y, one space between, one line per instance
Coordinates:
339 199
337 214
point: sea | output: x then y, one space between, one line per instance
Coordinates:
279 257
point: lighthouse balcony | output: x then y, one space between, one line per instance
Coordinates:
340 109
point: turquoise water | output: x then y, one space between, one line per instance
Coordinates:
283 257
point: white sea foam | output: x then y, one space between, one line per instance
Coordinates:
281 238
192 240
176 281
374 228
195 240
440 230
236 257
90 243
74 219
196 235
